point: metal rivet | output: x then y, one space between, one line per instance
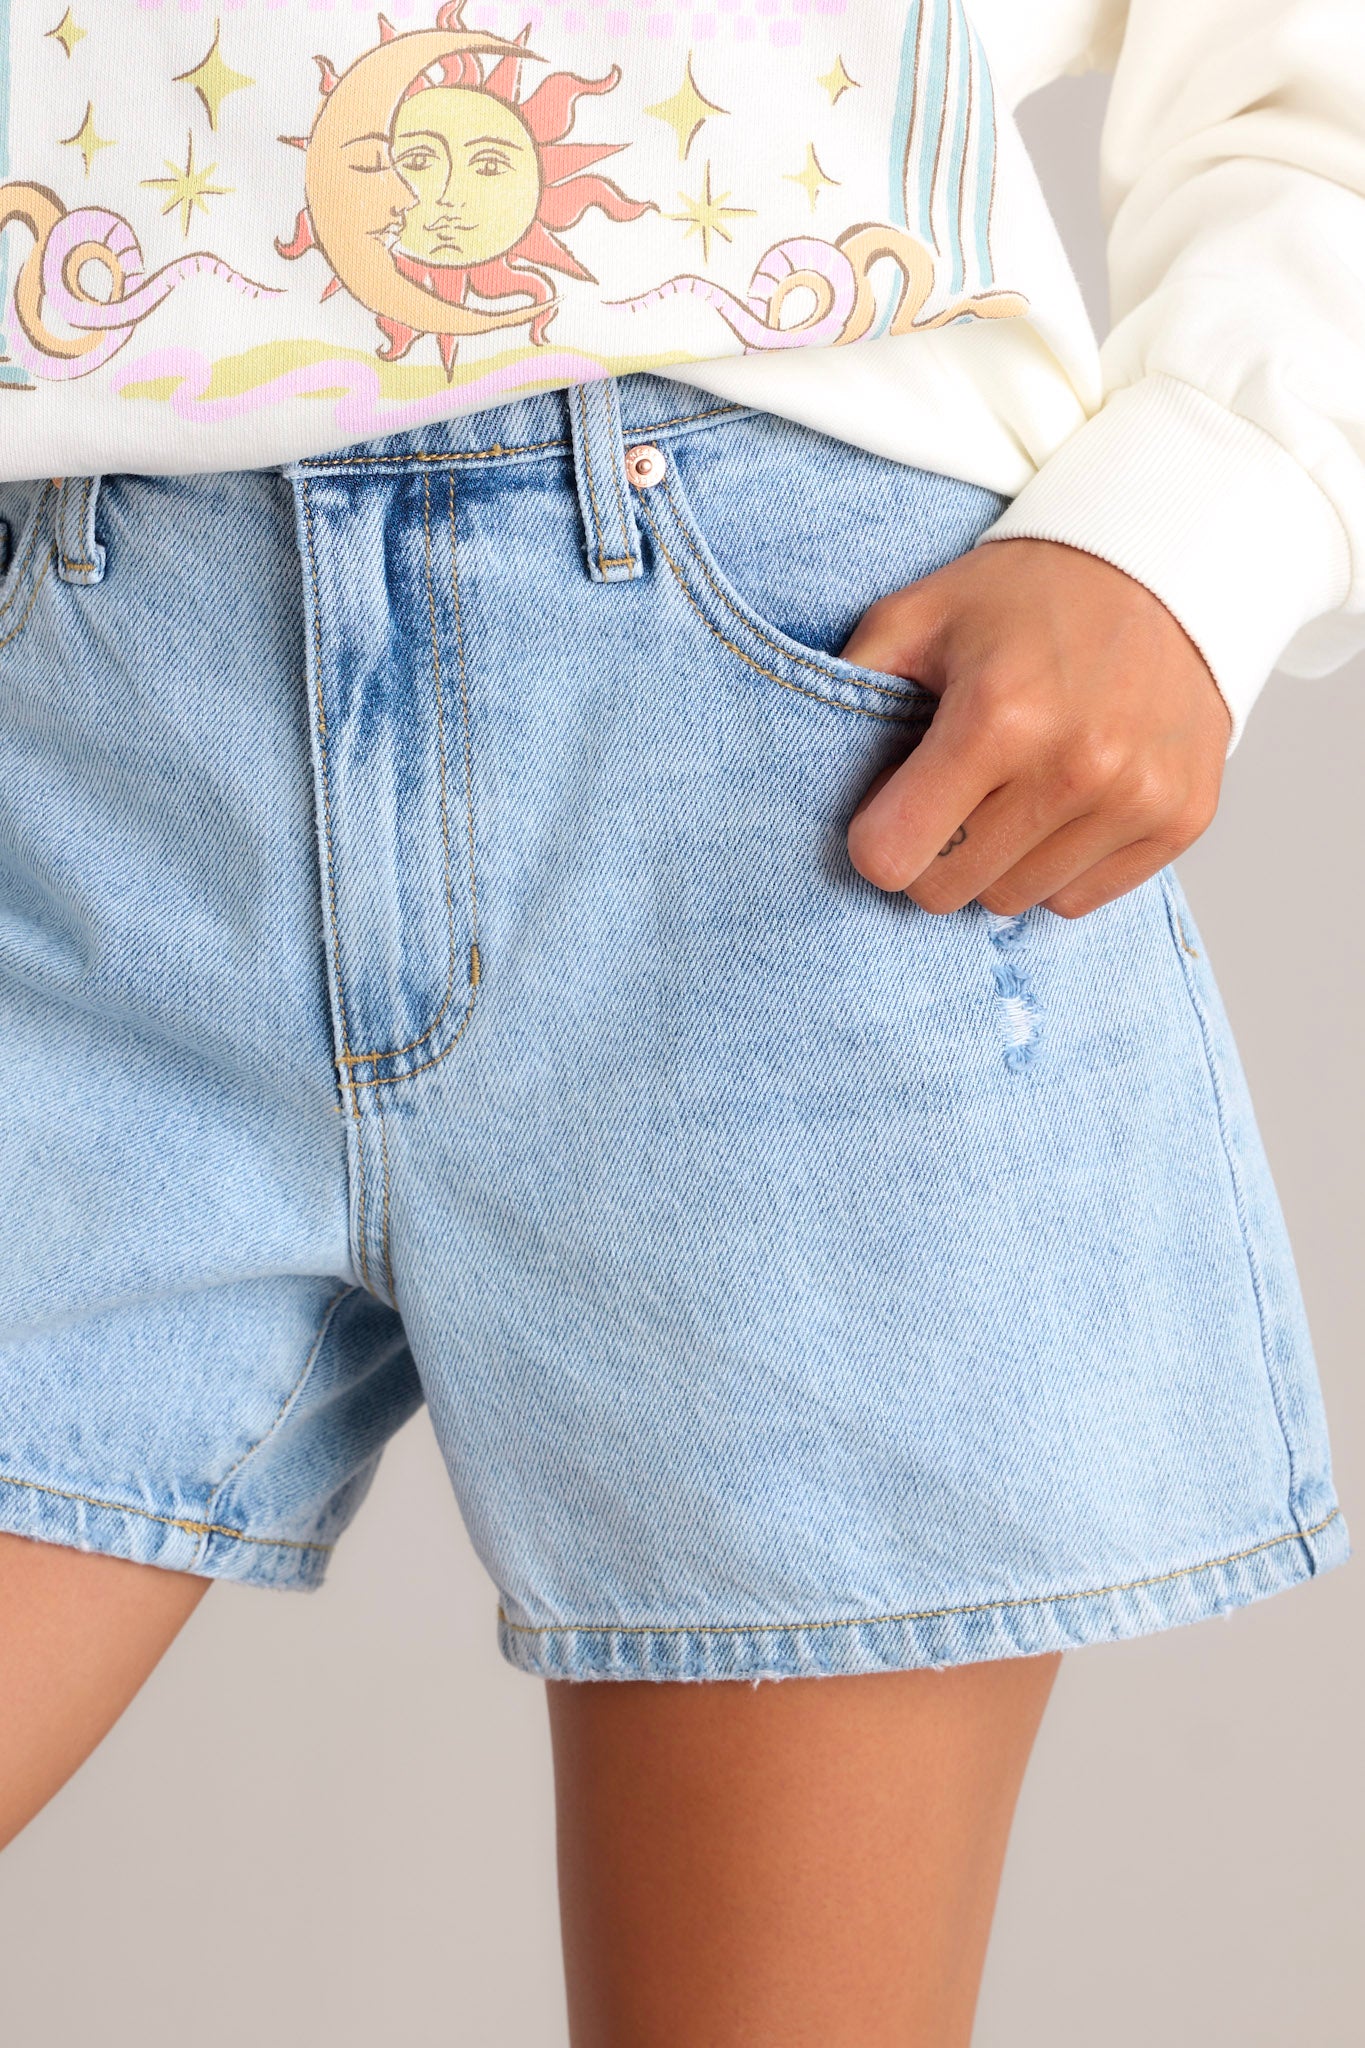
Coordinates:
645 466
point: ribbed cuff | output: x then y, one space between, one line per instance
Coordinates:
1205 509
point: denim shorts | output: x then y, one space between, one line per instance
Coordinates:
431 970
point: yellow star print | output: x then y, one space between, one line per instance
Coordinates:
188 187
86 140
812 178
66 33
837 82
687 111
212 79
707 213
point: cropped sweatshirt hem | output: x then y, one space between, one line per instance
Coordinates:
294 229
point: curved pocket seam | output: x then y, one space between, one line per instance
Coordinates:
836 703
762 634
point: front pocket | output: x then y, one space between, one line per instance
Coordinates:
673 531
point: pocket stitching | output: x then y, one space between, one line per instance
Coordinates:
38 583
754 625
837 703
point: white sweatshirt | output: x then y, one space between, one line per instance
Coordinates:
233 237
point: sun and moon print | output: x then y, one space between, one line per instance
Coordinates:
466 212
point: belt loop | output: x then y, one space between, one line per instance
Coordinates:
604 495
80 558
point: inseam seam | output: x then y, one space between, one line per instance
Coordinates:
286 1406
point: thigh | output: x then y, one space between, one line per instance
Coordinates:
813 1861
78 1636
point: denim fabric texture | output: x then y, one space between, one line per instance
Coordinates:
431 969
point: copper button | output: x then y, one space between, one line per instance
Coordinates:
645 466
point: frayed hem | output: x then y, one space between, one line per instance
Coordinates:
75 1520
928 1641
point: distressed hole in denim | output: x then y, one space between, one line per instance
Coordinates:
1016 1003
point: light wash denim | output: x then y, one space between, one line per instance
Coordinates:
431 968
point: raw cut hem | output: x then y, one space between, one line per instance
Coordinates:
83 1521
933 1639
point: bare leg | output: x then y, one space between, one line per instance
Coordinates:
78 1635
809 1861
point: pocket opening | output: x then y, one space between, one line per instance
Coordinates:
678 542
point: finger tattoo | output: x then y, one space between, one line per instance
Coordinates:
956 840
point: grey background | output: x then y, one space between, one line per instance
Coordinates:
329 1818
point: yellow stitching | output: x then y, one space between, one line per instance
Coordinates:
331 872
17 571
685 419
756 1628
476 968
468 752
409 1073
119 1507
618 447
375 1058
372 1059
322 741
388 1259
362 1233
500 449
365 1059
17 629
861 710
285 1405
67 563
820 668
586 438
492 454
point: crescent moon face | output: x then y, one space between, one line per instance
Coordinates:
357 199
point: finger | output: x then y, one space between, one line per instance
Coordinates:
1109 879
924 804
879 781
893 636
1011 828
1057 860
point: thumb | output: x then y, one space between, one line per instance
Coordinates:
878 781
898 636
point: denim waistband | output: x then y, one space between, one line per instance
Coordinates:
596 425
647 406
593 426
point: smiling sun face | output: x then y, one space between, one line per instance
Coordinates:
432 182
473 164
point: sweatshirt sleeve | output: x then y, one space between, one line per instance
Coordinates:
1225 467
